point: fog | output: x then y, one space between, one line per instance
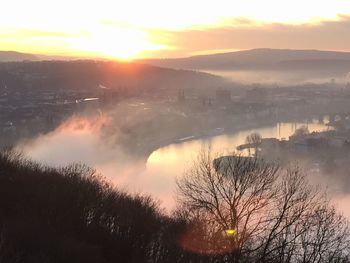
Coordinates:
333 184
142 141
280 78
95 141
83 140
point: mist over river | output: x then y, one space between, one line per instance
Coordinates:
85 144
279 77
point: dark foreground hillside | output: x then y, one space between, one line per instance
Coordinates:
72 215
241 210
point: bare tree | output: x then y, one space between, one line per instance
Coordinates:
254 140
273 213
230 193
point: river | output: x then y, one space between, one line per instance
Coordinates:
167 163
157 176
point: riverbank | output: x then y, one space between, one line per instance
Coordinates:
146 149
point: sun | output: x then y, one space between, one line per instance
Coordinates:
116 43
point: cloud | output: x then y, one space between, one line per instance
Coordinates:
245 34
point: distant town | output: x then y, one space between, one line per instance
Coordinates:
32 105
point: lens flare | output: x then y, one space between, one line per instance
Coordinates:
230 232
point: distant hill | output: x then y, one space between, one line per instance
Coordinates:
88 75
14 56
62 57
7 56
261 59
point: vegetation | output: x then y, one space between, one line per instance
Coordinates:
253 140
275 215
127 79
231 210
71 215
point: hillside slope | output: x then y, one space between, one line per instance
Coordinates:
6 56
261 59
88 74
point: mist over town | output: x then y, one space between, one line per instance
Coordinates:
175 131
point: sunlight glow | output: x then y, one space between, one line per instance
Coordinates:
230 232
120 43
129 29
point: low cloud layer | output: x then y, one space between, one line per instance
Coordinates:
89 140
246 34
95 141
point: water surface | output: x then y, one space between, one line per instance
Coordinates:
157 176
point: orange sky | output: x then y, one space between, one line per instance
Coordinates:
159 28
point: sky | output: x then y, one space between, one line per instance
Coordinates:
160 28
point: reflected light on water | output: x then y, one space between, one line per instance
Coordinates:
81 141
171 161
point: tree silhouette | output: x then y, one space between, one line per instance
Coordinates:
254 140
70 215
275 214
